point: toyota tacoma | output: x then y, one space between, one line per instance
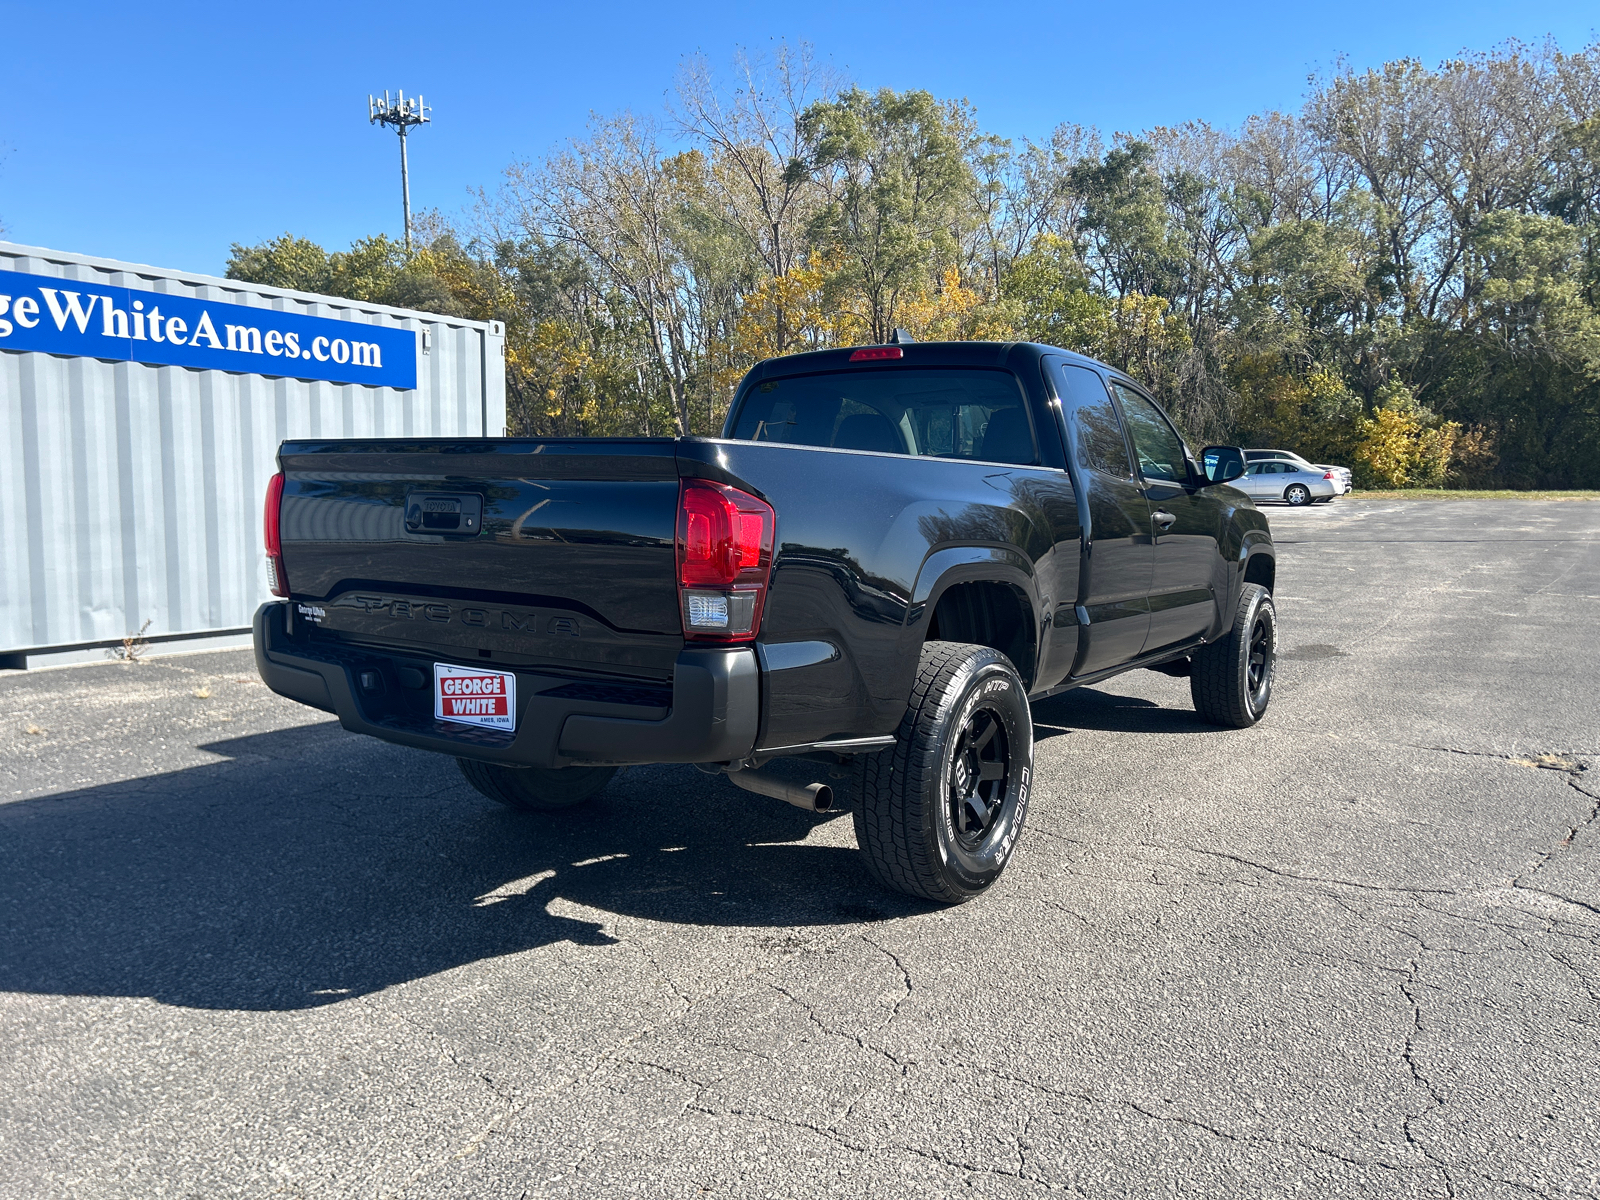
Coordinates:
889 552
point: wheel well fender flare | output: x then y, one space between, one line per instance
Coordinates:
952 566
1258 564
945 568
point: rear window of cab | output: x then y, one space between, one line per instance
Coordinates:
953 413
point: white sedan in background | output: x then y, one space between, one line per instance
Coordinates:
1341 476
1295 483
1343 481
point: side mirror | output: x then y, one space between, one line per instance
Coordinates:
1222 464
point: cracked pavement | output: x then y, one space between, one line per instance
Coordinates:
1353 951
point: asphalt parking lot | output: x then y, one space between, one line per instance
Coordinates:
1354 951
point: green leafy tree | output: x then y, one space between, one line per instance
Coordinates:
895 171
286 262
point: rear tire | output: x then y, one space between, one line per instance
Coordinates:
1231 680
535 789
1297 494
938 816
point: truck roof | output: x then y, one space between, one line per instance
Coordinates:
931 354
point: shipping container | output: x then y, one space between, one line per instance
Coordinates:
135 448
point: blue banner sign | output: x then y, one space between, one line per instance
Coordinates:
94 320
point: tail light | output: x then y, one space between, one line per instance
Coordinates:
277 579
724 560
1327 475
877 353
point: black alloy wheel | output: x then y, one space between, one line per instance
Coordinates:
978 771
1297 494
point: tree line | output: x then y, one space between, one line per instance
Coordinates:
1403 275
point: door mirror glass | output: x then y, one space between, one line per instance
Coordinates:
1222 464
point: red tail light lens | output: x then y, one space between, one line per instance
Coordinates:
724 559
277 579
1327 474
874 353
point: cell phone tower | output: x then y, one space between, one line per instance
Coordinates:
402 112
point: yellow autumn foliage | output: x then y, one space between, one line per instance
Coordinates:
952 311
795 312
1395 448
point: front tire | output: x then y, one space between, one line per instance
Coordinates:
938 816
1231 679
535 789
1297 494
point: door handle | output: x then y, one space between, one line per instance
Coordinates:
1163 519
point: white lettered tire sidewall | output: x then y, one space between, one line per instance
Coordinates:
995 686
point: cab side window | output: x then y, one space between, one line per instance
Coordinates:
1159 447
1096 433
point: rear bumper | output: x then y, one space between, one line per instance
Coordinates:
713 714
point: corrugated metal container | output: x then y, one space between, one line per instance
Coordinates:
131 492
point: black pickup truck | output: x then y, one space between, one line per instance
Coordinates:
890 551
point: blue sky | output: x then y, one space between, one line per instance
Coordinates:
163 133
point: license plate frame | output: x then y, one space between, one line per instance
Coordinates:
465 696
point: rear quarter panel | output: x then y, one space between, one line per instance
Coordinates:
854 532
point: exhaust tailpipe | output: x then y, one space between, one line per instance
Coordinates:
813 797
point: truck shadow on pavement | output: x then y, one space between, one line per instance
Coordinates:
307 866
1090 708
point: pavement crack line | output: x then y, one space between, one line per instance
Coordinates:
905 975
1435 1096
1180 1119
1057 906
1566 843
1565 761
1573 900
1572 831
443 1042
858 1039
1037 830
665 975
1279 871
831 1134
673 1072
1584 981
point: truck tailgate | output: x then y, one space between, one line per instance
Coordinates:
543 553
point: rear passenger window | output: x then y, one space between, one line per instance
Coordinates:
1096 433
894 410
